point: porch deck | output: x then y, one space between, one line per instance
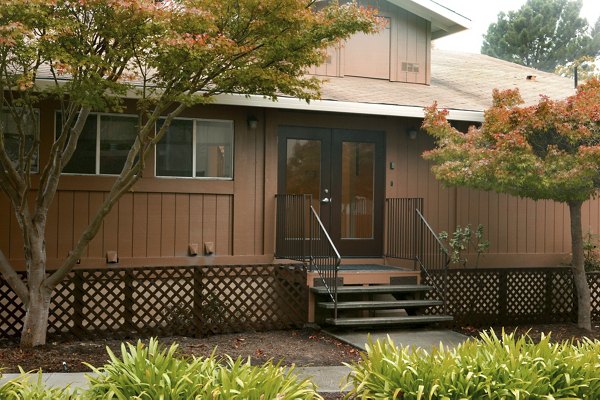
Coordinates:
361 274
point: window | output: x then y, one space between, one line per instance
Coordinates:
13 140
196 149
103 144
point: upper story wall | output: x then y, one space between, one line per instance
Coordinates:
399 52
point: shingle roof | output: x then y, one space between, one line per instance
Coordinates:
460 81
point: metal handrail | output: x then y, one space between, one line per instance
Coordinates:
301 236
432 256
324 257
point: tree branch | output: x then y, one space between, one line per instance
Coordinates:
12 278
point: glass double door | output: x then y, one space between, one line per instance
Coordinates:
343 170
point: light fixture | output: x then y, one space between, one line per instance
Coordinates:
252 122
412 133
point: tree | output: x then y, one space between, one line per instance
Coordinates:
541 34
547 151
586 68
170 55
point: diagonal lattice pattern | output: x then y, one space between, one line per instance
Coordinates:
189 301
506 296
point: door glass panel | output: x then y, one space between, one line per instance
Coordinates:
357 190
303 167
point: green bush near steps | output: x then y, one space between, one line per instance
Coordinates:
148 372
488 368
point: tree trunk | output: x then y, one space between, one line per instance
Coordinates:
579 276
35 323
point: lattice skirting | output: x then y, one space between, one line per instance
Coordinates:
494 296
188 301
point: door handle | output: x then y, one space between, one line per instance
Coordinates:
326 200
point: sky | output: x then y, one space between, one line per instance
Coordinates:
483 12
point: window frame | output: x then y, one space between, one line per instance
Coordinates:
98 116
194 150
39 122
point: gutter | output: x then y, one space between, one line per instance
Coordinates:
345 107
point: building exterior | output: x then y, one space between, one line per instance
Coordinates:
208 194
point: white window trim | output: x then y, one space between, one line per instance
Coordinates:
37 112
97 115
194 150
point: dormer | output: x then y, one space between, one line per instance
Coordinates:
401 51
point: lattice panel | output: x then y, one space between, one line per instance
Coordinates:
62 308
162 300
11 312
103 301
561 293
594 282
512 296
526 294
237 298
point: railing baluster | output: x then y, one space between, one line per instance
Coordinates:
410 237
315 249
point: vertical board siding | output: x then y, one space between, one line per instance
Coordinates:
512 225
65 224
5 220
140 225
125 215
167 231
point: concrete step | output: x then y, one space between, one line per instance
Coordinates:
374 289
379 305
380 321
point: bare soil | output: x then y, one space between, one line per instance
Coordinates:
306 347
557 332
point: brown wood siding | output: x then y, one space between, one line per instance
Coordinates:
154 224
141 225
522 232
406 39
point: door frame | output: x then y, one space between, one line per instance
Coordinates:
331 155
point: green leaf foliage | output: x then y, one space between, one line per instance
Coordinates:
488 368
153 372
28 387
541 34
547 151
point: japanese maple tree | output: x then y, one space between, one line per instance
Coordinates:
546 151
169 55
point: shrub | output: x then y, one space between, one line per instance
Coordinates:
490 368
23 388
591 255
152 372
464 240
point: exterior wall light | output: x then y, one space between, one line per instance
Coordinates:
412 133
252 122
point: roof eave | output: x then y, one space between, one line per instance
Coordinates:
346 107
444 21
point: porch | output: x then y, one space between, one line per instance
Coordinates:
365 292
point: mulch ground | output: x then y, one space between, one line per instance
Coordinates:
557 332
306 347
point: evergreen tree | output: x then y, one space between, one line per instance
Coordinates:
542 34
